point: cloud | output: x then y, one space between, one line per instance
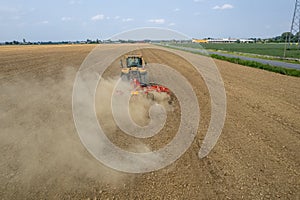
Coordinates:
127 19
65 19
223 7
98 17
9 9
117 17
45 22
172 24
176 9
157 21
73 2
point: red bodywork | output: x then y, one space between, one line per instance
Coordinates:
149 88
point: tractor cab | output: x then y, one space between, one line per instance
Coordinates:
134 62
134 69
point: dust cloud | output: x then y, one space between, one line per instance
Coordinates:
37 125
139 107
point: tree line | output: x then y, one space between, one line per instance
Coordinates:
284 37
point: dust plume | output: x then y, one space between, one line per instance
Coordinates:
36 124
139 107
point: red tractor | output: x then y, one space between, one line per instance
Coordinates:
136 74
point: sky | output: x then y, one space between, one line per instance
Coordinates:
72 20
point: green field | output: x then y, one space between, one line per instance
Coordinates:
269 49
280 70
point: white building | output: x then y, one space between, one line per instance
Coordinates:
229 40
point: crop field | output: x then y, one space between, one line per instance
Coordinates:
268 49
42 157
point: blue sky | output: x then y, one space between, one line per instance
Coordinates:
56 20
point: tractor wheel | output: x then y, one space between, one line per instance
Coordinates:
144 77
124 77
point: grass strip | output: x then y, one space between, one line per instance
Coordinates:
254 64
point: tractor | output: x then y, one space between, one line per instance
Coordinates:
134 69
136 74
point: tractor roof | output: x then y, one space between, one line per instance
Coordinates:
133 55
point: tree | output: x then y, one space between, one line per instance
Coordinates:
88 41
285 36
16 42
296 37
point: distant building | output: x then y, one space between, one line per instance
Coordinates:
223 40
247 41
199 41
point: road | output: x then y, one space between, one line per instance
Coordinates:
42 157
263 61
